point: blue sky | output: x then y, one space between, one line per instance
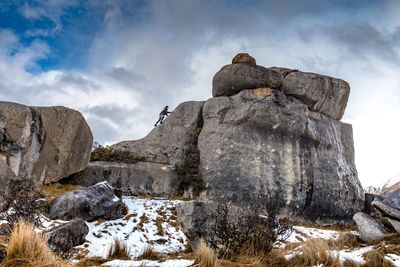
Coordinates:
120 61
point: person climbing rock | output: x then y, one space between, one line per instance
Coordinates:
163 114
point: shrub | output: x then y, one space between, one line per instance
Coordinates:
150 254
29 249
253 230
108 154
188 172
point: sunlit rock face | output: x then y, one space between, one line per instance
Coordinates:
263 142
43 144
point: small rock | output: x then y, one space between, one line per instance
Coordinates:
91 203
244 58
368 228
68 235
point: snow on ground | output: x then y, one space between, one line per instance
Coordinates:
355 255
393 258
301 234
148 222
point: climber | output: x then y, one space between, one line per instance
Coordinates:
164 113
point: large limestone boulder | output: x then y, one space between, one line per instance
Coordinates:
167 143
232 79
369 229
44 144
89 204
67 235
141 178
264 142
321 93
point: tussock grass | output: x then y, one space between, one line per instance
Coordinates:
27 248
90 262
204 256
150 254
118 251
376 258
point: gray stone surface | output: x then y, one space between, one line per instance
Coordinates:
44 144
386 210
194 218
368 228
6 175
89 204
321 93
232 79
395 224
141 178
67 235
166 143
263 142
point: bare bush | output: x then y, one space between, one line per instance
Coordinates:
253 230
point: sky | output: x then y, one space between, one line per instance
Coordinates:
119 62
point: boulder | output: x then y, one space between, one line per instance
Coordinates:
244 58
167 143
368 228
89 204
141 178
67 235
194 218
386 210
43 144
321 93
262 142
232 79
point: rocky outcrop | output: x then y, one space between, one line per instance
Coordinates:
392 193
6 175
166 144
380 216
232 79
43 144
67 235
141 178
369 228
89 204
244 58
265 142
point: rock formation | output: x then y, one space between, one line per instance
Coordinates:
380 216
163 148
44 144
67 235
89 204
272 132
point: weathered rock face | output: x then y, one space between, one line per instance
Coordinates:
141 178
6 175
89 204
67 235
44 144
232 79
166 144
368 228
264 142
323 94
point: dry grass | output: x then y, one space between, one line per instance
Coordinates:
160 230
205 257
92 261
150 254
27 248
54 190
376 258
118 251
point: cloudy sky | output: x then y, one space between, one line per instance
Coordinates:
120 61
